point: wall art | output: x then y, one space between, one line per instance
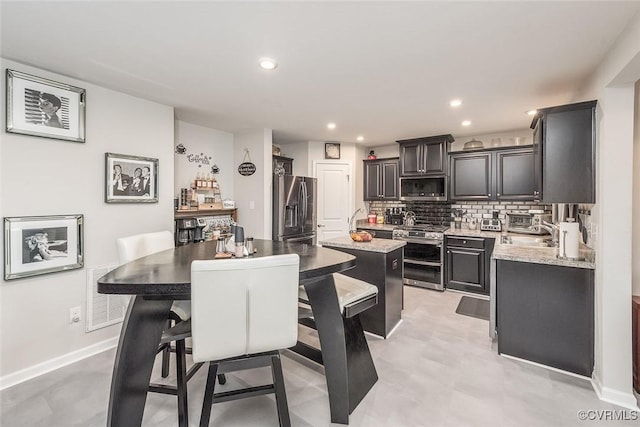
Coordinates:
41 107
130 179
36 245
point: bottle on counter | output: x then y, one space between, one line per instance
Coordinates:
372 217
380 218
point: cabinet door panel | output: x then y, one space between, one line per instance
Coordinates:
465 269
514 173
372 178
410 159
471 177
433 158
568 157
390 180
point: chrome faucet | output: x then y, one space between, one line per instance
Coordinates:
553 229
352 217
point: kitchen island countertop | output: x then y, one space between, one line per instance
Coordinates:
375 245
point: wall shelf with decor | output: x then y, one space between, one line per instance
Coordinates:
194 213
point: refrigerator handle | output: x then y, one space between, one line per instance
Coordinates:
301 204
305 205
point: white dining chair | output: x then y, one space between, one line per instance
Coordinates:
255 315
137 246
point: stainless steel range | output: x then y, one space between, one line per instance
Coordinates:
423 255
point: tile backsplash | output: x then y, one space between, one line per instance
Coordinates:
440 212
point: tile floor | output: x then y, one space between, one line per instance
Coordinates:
438 369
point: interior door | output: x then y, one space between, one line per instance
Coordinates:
334 199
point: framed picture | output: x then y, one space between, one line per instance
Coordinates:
130 179
42 244
42 107
332 150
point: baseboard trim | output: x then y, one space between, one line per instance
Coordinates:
56 363
606 394
550 368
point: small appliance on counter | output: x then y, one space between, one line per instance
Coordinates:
528 222
491 224
394 216
189 230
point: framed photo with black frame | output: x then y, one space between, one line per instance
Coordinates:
42 107
36 245
130 179
332 150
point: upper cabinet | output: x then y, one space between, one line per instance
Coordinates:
564 140
381 179
424 156
281 163
502 174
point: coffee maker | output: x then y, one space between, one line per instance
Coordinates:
189 230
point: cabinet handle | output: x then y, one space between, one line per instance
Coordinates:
448 252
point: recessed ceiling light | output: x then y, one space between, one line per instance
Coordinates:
466 123
456 102
531 112
268 63
360 138
331 125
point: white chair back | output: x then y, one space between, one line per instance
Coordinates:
243 306
139 245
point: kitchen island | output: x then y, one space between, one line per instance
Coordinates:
378 262
542 306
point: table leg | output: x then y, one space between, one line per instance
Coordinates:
139 339
348 365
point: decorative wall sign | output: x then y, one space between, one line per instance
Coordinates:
42 244
200 159
181 149
246 168
215 169
130 179
42 107
332 150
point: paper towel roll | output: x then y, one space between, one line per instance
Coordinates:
569 240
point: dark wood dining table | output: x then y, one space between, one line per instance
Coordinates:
157 280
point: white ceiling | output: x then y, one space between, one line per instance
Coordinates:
384 70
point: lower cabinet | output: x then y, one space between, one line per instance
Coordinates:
467 263
545 314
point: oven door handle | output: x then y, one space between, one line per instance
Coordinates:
436 243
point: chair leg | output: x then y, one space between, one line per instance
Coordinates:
166 355
181 383
281 395
222 379
208 395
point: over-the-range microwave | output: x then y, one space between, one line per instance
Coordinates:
430 188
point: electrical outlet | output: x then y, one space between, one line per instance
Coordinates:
74 315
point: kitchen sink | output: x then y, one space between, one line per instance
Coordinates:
544 242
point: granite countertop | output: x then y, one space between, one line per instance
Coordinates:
376 245
533 254
473 233
542 255
363 224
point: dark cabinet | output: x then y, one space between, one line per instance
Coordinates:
280 162
424 156
504 174
564 140
467 263
545 314
381 179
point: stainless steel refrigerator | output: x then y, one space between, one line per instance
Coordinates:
294 209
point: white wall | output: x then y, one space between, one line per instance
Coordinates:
613 86
299 152
212 143
41 176
253 193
